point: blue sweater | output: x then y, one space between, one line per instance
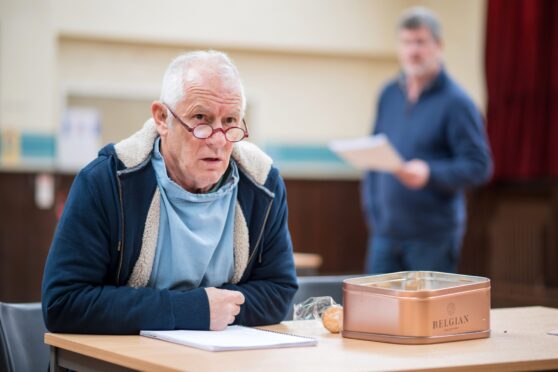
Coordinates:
443 128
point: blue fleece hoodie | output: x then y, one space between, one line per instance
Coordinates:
100 236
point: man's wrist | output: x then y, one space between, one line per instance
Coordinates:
190 309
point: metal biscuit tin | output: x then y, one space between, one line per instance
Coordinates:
416 307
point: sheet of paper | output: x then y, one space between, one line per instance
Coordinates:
79 138
232 338
373 153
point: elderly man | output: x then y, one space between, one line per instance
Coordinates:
181 225
417 215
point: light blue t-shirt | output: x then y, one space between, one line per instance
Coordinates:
195 242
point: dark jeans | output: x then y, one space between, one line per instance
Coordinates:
440 253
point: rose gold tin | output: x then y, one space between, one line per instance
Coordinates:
416 307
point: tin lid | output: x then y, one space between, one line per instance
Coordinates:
417 283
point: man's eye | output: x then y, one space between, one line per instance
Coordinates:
230 121
198 117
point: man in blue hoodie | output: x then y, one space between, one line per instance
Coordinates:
417 215
181 225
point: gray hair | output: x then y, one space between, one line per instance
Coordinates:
417 17
172 90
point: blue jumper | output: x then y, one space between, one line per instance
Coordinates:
443 128
195 241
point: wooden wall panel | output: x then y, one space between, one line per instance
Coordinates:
475 259
25 235
511 235
325 217
551 252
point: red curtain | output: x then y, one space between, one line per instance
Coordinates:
522 83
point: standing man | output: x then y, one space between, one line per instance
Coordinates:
417 215
181 225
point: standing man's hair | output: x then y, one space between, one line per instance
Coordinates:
417 17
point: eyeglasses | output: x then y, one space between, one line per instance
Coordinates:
204 131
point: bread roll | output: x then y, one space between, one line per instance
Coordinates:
332 318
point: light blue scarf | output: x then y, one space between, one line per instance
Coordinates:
195 242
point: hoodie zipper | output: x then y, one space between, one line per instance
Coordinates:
121 242
261 234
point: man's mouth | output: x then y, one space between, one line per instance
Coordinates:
211 160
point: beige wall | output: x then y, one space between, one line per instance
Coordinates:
334 26
312 68
291 97
28 81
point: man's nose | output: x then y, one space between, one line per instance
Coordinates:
218 138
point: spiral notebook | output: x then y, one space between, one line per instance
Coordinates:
232 338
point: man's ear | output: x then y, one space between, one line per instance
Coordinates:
159 113
440 44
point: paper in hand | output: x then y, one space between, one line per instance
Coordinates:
373 153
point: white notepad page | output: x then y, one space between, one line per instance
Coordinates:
373 153
232 338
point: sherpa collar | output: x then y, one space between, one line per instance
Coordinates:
135 149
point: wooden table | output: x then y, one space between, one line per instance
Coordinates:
519 341
307 263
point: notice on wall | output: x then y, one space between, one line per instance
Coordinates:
79 138
11 146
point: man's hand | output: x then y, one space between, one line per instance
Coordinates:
414 174
224 306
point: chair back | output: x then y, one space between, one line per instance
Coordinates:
315 286
22 332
